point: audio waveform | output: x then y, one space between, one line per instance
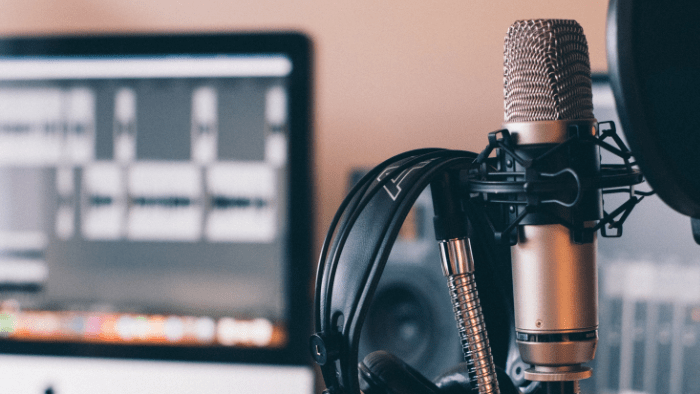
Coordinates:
221 202
99 201
167 202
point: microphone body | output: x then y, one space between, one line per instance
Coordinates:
555 282
548 100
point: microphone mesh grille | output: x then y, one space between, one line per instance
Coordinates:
546 71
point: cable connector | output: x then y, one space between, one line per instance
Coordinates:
450 220
456 255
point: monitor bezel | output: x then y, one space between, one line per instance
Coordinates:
297 47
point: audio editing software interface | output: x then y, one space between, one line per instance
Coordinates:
143 200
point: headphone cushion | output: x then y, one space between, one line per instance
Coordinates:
383 373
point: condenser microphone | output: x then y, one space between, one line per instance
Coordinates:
548 99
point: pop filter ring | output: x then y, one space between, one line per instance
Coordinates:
631 60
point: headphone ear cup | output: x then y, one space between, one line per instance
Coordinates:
383 373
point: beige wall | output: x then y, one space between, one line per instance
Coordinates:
390 75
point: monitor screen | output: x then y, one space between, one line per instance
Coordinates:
155 198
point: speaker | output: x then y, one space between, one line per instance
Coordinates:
411 313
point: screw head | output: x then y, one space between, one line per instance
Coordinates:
318 349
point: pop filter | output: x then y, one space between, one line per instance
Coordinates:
654 70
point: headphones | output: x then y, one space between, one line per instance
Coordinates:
353 257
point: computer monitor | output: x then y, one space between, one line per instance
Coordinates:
155 206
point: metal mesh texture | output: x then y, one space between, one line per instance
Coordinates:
546 72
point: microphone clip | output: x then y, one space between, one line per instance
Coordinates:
556 183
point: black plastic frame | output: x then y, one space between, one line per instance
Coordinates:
524 193
298 48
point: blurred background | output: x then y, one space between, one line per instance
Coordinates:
390 76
